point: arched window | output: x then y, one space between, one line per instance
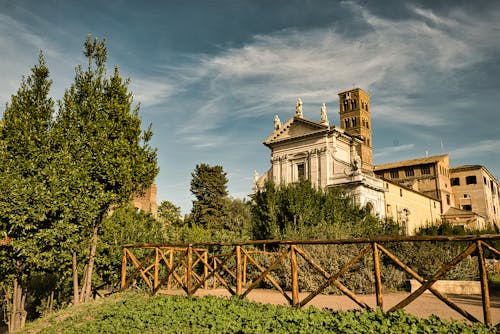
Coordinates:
354 122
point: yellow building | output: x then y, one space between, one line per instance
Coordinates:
409 208
429 176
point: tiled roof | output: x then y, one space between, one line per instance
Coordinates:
413 162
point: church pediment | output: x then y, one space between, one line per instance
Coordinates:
295 127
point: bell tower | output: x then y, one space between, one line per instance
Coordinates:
355 120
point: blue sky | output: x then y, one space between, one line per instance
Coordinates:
211 75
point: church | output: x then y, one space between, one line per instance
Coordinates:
414 193
328 155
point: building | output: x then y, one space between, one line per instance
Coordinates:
328 155
146 201
414 193
410 208
429 176
476 190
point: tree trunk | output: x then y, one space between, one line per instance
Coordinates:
87 280
76 294
17 316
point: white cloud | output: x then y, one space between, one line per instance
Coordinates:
390 151
152 91
478 149
396 58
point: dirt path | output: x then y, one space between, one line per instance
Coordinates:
423 306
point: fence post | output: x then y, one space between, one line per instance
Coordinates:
157 268
378 280
124 268
483 275
295 276
189 270
239 272
205 268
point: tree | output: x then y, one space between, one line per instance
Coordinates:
298 210
106 155
208 185
169 213
25 177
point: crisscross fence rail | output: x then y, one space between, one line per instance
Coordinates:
191 267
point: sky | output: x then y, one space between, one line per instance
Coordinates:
211 75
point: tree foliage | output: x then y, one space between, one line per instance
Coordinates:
169 213
298 210
61 173
209 186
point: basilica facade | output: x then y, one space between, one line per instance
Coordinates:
328 155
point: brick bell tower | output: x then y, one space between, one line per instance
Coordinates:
355 120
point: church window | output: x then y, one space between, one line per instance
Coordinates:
354 122
301 171
470 179
425 170
448 199
467 207
367 125
346 121
345 105
409 172
394 174
484 179
455 181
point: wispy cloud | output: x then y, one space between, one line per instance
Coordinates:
391 151
394 59
477 149
152 91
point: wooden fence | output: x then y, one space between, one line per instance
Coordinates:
191 267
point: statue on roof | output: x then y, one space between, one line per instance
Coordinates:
298 107
277 122
324 116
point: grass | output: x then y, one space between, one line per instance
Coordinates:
135 312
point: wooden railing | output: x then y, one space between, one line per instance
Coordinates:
190 267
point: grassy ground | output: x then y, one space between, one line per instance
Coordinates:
134 312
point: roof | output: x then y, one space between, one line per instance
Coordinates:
413 162
459 212
285 132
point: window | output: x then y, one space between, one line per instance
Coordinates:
354 122
470 179
301 171
448 199
467 207
409 172
394 174
466 196
401 192
346 123
492 187
484 179
425 170
434 205
455 181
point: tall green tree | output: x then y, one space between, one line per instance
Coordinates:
169 213
106 156
209 186
26 207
